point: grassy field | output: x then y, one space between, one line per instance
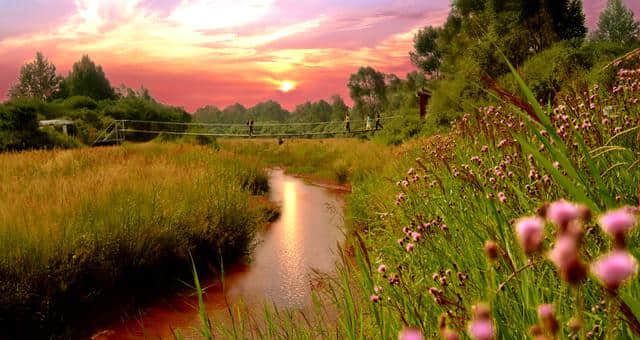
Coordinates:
80 227
340 160
436 226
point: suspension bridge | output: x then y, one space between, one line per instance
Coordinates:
119 130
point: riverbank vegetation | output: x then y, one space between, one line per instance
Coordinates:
93 227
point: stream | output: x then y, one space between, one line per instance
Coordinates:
303 239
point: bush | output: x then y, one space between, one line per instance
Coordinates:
341 171
400 129
80 102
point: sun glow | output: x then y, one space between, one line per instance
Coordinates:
287 85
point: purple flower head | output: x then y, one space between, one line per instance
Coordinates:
410 334
374 298
382 268
449 334
566 258
564 252
530 231
618 222
481 329
545 311
563 212
615 268
409 247
416 236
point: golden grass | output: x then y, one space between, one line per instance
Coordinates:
86 219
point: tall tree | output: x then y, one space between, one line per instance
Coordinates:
338 107
617 24
426 54
368 90
38 79
87 79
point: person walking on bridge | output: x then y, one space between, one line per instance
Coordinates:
250 125
378 125
347 123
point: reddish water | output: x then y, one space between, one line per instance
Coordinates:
303 239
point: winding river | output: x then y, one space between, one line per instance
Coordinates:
302 240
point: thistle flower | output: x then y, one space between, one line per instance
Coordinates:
618 222
548 318
382 268
565 256
374 298
448 334
410 334
416 236
410 247
491 250
502 197
562 213
530 231
481 327
615 268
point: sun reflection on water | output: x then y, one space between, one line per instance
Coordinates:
291 266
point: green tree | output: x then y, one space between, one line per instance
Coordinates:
617 24
367 89
338 107
427 54
38 79
87 79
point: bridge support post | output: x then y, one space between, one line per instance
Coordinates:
424 95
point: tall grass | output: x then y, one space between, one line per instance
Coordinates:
340 160
81 227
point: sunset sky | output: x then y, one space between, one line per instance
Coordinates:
197 52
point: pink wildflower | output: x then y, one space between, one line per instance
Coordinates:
410 334
562 212
565 256
416 236
618 222
530 233
382 268
410 247
374 298
615 268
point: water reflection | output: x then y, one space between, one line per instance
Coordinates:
302 239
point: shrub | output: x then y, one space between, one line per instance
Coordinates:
80 102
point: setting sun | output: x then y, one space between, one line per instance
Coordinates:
287 85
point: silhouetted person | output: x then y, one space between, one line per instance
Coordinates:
378 125
347 123
250 125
